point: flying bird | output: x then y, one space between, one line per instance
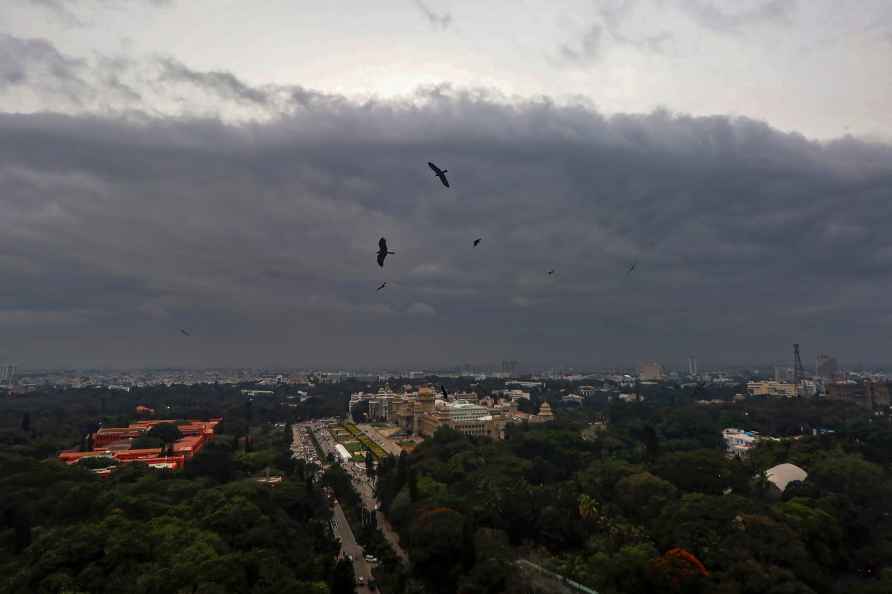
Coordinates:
551 271
445 393
632 267
184 333
382 251
441 173
384 284
478 240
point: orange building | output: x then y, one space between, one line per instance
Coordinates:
112 443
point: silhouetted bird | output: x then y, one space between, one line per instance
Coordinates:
384 284
441 173
478 240
184 333
632 267
445 393
551 271
382 251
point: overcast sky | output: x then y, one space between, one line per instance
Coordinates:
228 167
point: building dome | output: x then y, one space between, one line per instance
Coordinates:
545 413
783 474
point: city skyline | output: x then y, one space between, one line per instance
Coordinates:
170 201
680 369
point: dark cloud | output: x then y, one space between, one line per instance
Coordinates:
224 84
709 15
34 74
37 65
439 21
260 237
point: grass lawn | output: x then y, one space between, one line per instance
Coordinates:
353 446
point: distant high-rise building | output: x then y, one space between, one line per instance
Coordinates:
869 395
651 371
826 367
7 374
783 374
509 366
772 389
692 365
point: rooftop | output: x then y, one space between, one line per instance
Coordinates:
784 474
113 442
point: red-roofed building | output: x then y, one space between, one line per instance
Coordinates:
105 436
111 442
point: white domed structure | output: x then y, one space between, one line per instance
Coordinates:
783 474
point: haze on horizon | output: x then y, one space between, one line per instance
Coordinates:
228 169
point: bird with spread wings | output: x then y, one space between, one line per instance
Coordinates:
382 251
441 173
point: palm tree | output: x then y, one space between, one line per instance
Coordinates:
588 507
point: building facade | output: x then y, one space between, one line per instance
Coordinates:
772 388
877 394
408 410
651 371
869 395
739 443
826 367
423 412
7 375
466 417
114 443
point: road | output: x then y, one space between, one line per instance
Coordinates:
550 581
303 448
364 486
350 547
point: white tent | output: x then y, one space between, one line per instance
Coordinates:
343 453
783 474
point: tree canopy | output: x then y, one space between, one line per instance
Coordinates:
209 528
166 432
650 503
